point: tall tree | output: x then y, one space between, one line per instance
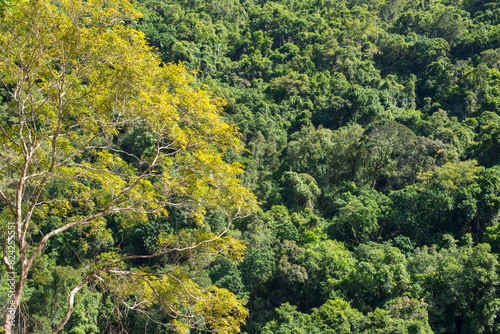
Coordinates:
384 140
76 79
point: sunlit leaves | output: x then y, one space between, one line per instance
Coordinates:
450 176
198 242
77 80
190 305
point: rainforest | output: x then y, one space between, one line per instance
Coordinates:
250 166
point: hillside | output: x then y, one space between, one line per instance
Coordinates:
371 131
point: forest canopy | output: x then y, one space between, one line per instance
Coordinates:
369 132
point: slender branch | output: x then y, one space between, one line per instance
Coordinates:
106 210
5 260
170 250
165 306
71 301
185 288
51 168
115 150
135 307
8 202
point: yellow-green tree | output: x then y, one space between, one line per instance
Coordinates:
75 77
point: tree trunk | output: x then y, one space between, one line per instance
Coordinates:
10 315
15 294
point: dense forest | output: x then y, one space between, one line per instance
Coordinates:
369 133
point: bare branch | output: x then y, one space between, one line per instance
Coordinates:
5 260
8 202
134 307
162 302
71 301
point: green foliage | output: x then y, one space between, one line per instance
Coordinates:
362 120
360 215
488 141
226 274
258 268
371 128
460 285
379 275
288 320
300 190
50 285
337 316
454 198
328 264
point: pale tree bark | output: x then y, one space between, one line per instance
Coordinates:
27 262
71 87
113 268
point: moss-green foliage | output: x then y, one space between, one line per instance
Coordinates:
372 130
336 316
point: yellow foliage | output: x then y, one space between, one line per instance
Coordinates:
219 309
223 312
91 77
451 175
202 242
77 78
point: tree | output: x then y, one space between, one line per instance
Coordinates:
460 284
300 190
384 140
379 275
76 80
328 264
328 156
489 138
454 198
360 215
288 320
422 154
337 316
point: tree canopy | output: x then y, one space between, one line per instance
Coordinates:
79 87
132 136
